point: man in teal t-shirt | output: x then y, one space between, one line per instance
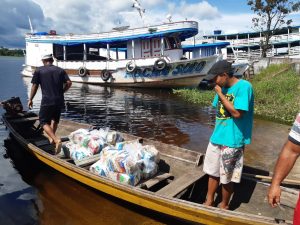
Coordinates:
234 102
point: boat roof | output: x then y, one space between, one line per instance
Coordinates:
205 45
181 29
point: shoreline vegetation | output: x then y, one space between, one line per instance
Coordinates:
276 94
11 52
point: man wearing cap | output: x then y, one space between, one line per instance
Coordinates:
234 102
54 81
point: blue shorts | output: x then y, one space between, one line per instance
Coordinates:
49 113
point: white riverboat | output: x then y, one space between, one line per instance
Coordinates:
150 56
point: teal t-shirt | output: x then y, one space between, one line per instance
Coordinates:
229 131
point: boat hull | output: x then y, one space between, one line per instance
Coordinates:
168 205
184 73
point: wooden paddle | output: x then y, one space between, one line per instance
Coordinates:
269 178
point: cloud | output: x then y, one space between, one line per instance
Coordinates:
201 10
14 21
93 16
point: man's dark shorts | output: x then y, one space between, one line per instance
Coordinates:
48 113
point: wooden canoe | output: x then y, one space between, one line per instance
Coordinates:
178 189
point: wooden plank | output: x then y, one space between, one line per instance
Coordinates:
87 161
24 120
180 184
44 141
155 180
269 179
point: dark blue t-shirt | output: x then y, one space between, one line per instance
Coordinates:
51 79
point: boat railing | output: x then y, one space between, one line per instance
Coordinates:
253 55
294 50
274 39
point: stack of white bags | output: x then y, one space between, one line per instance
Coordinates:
127 162
84 143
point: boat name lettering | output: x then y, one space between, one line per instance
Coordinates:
188 68
194 67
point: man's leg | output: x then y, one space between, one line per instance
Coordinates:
231 172
227 190
53 126
47 128
45 115
213 183
212 168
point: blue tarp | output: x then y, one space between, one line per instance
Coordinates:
41 33
206 45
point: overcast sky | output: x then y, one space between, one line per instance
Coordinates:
90 16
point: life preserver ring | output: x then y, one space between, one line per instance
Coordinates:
131 67
160 64
82 71
105 75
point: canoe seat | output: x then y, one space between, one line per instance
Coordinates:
180 184
44 141
155 180
25 120
87 161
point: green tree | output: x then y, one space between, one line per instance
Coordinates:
270 16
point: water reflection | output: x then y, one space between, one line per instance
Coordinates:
160 115
155 114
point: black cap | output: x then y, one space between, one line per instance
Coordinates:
219 67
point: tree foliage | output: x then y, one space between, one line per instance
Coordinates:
10 52
270 16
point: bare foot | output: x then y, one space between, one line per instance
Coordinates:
50 140
57 146
222 206
208 203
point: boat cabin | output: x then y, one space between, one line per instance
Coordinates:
139 43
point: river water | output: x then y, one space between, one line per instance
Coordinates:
31 193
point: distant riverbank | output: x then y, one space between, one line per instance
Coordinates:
276 94
11 52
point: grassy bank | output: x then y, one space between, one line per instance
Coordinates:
276 94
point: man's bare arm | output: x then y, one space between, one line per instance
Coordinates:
68 84
33 91
287 158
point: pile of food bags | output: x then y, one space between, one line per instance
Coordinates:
127 162
124 161
84 143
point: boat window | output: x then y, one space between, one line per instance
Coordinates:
172 43
178 42
74 52
58 52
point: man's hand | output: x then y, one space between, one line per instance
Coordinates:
30 103
218 89
274 194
